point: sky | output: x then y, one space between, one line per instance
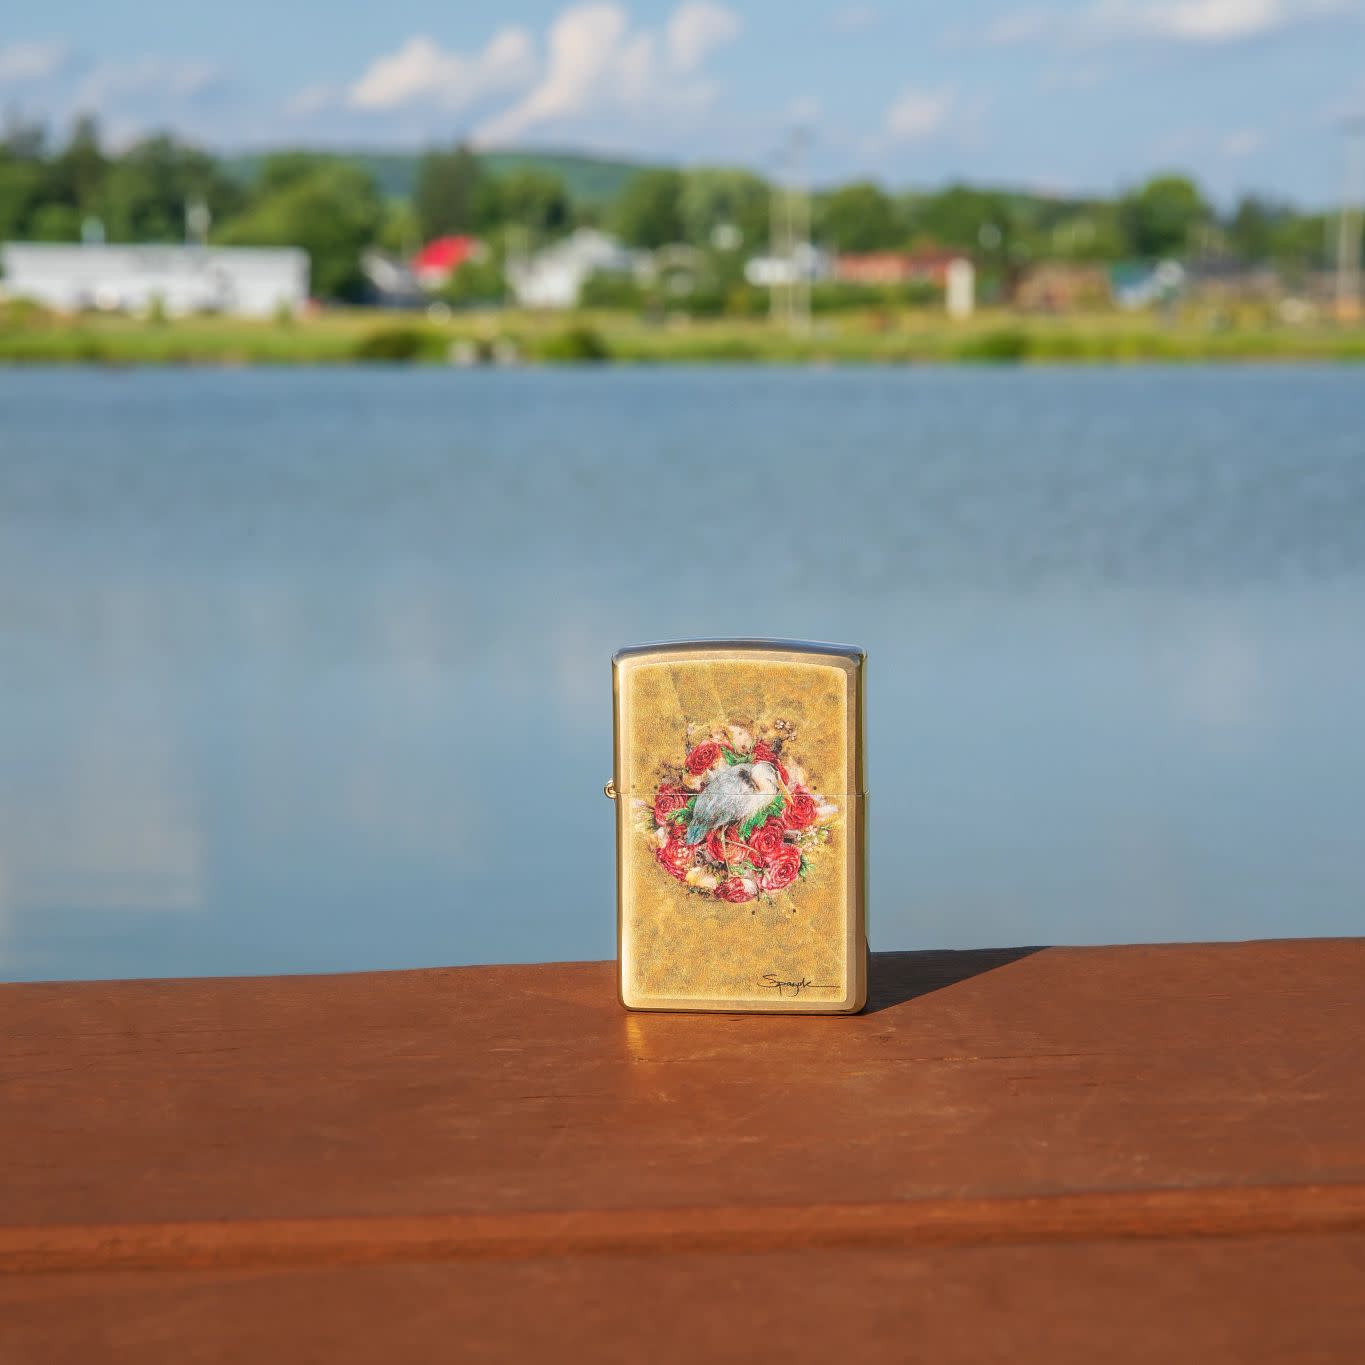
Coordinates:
1065 97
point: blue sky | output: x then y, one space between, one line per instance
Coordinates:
1071 95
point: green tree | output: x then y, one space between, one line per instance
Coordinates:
1300 242
54 222
333 211
962 216
23 141
400 232
476 282
649 210
1252 228
1160 218
447 193
21 188
280 170
1085 232
147 189
714 197
77 174
530 199
858 217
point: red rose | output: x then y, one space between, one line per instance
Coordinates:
799 812
765 841
724 845
703 757
670 797
735 890
783 869
676 857
765 753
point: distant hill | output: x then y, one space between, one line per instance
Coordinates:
589 179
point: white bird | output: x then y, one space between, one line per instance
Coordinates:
731 796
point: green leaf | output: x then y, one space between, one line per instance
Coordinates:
731 757
773 808
683 813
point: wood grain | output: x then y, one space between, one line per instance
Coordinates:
1015 1149
248 1243
502 1089
1257 1301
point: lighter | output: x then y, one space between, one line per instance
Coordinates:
740 826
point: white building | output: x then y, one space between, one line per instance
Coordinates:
555 277
959 288
249 281
806 262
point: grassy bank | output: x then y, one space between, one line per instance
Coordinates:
341 337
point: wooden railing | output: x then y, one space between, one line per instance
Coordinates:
1056 1154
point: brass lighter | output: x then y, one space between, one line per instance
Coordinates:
740 826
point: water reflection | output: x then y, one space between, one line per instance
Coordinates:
309 671
104 817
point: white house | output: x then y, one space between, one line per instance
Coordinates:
1140 285
554 278
806 262
249 281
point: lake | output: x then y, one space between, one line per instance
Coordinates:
310 670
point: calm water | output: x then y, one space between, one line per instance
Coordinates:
309 671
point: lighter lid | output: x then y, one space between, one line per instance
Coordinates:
671 694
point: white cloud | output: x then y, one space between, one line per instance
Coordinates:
422 72
592 54
1207 21
147 77
1177 21
32 61
590 74
598 66
312 99
697 29
918 114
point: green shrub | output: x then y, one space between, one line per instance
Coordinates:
839 296
1005 345
21 312
746 301
398 344
610 291
574 345
707 301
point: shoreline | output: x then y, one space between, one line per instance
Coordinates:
346 337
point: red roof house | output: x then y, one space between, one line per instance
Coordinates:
895 267
442 257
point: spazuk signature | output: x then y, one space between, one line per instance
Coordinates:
770 981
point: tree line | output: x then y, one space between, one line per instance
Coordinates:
330 205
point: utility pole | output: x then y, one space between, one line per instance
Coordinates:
800 234
778 243
197 221
789 235
1349 222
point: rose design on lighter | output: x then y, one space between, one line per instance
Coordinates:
737 820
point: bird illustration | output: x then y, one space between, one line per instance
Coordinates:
732 795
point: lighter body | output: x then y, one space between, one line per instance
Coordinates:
740 826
